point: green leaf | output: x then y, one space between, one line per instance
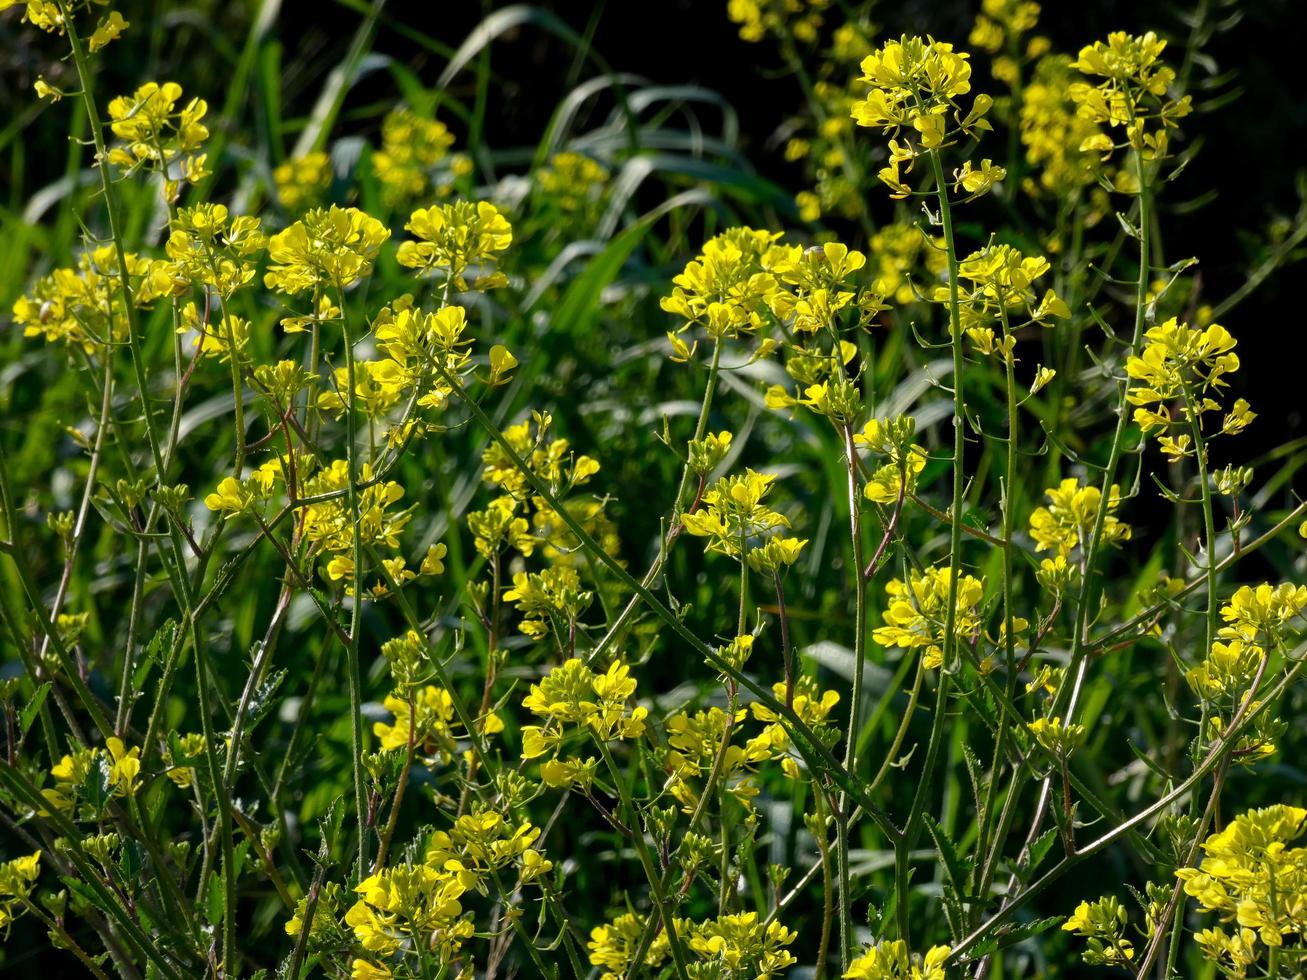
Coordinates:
32 708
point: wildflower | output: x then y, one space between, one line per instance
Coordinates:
452 238
917 612
413 148
1102 922
301 182
155 133
429 718
411 904
914 84
573 694
613 946
725 290
1068 520
329 248
1054 737
17 879
890 960
1132 92
734 518
734 941
1250 875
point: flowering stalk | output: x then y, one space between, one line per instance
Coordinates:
352 671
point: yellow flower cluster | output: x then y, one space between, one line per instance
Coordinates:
84 305
413 162
573 694
726 289
917 612
799 19
1102 923
158 135
451 238
413 913
613 946
1253 880
737 522
900 252
915 84
575 185
302 182
427 722
17 879
1068 520
1132 93
891 960
1053 132
115 768
1188 364
332 248
1002 292
735 945
695 742
554 594
891 438
212 250
998 30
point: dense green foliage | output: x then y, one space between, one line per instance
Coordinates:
861 578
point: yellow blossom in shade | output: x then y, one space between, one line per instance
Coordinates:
1102 923
412 149
430 723
1053 133
433 563
613 946
363 970
799 19
891 960
1249 875
575 185
1068 520
17 879
124 765
452 238
1054 737
302 182
916 615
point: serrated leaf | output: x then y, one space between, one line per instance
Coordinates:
1010 937
32 708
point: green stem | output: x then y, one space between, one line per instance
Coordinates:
656 891
352 672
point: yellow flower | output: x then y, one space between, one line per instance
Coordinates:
301 182
330 248
916 615
452 238
1069 519
890 960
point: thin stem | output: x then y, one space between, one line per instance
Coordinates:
352 672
